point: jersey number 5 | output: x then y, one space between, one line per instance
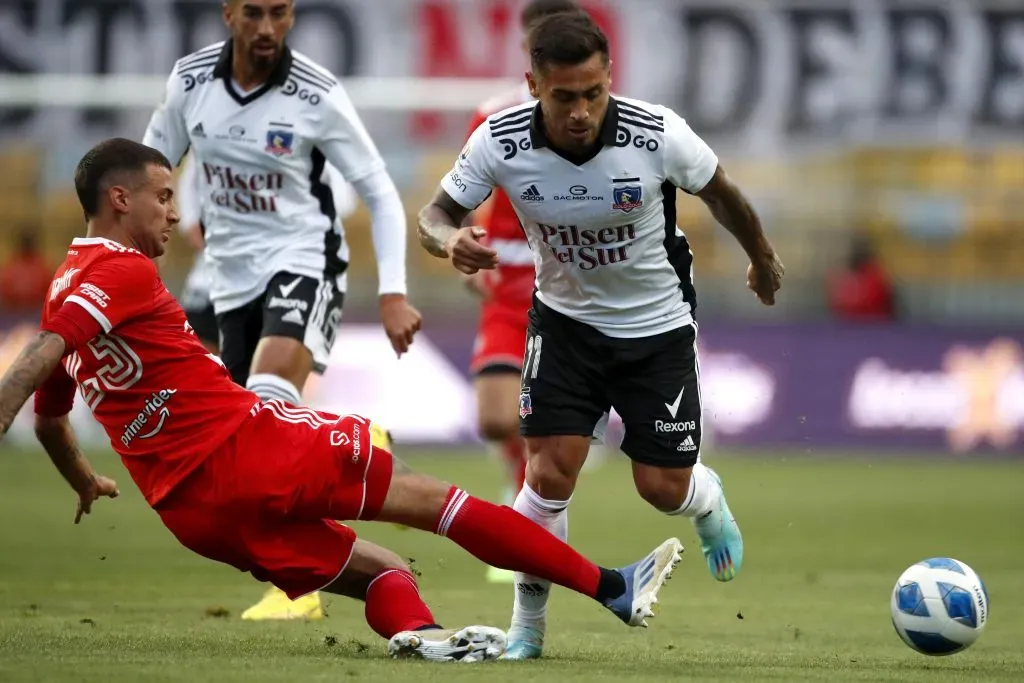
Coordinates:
120 369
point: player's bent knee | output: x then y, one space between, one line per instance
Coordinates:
665 489
368 561
553 464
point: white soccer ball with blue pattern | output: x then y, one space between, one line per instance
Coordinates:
939 606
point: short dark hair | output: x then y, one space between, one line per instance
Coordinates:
117 156
539 9
566 39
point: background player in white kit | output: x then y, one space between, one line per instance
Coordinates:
263 121
505 295
593 180
195 295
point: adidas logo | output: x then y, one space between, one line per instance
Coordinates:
198 130
293 316
532 194
687 445
531 589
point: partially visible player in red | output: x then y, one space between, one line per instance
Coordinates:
249 483
506 296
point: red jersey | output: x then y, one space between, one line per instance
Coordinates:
513 280
164 401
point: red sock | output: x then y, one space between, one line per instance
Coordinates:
514 450
393 604
503 538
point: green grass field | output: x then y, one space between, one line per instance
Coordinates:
117 599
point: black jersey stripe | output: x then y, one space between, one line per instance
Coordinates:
309 81
526 108
642 124
496 130
212 51
633 110
510 131
313 72
506 121
197 66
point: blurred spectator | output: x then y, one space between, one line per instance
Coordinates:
862 290
25 276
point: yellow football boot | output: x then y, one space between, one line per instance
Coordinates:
275 605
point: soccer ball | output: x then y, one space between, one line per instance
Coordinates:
939 606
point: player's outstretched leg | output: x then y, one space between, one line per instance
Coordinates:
501 537
396 612
720 537
703 500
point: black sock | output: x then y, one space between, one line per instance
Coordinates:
610 586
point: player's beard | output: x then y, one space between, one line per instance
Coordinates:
263 62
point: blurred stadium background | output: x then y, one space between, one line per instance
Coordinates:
883 134
883 145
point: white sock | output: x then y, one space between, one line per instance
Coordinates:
273 388
703 494
531 593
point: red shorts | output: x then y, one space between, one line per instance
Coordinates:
265 501
501 337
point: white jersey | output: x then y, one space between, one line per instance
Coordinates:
266 206
606 248
195 294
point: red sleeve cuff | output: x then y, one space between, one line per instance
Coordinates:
74 324
54 403
56 397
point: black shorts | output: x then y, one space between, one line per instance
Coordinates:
204 322
295 306
573 374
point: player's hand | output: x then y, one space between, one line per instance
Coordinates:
764 278
401 321
477 283
97 487
467 254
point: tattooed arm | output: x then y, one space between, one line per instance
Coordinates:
734 213
37 363
439 221
440 233
30 369
58 438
